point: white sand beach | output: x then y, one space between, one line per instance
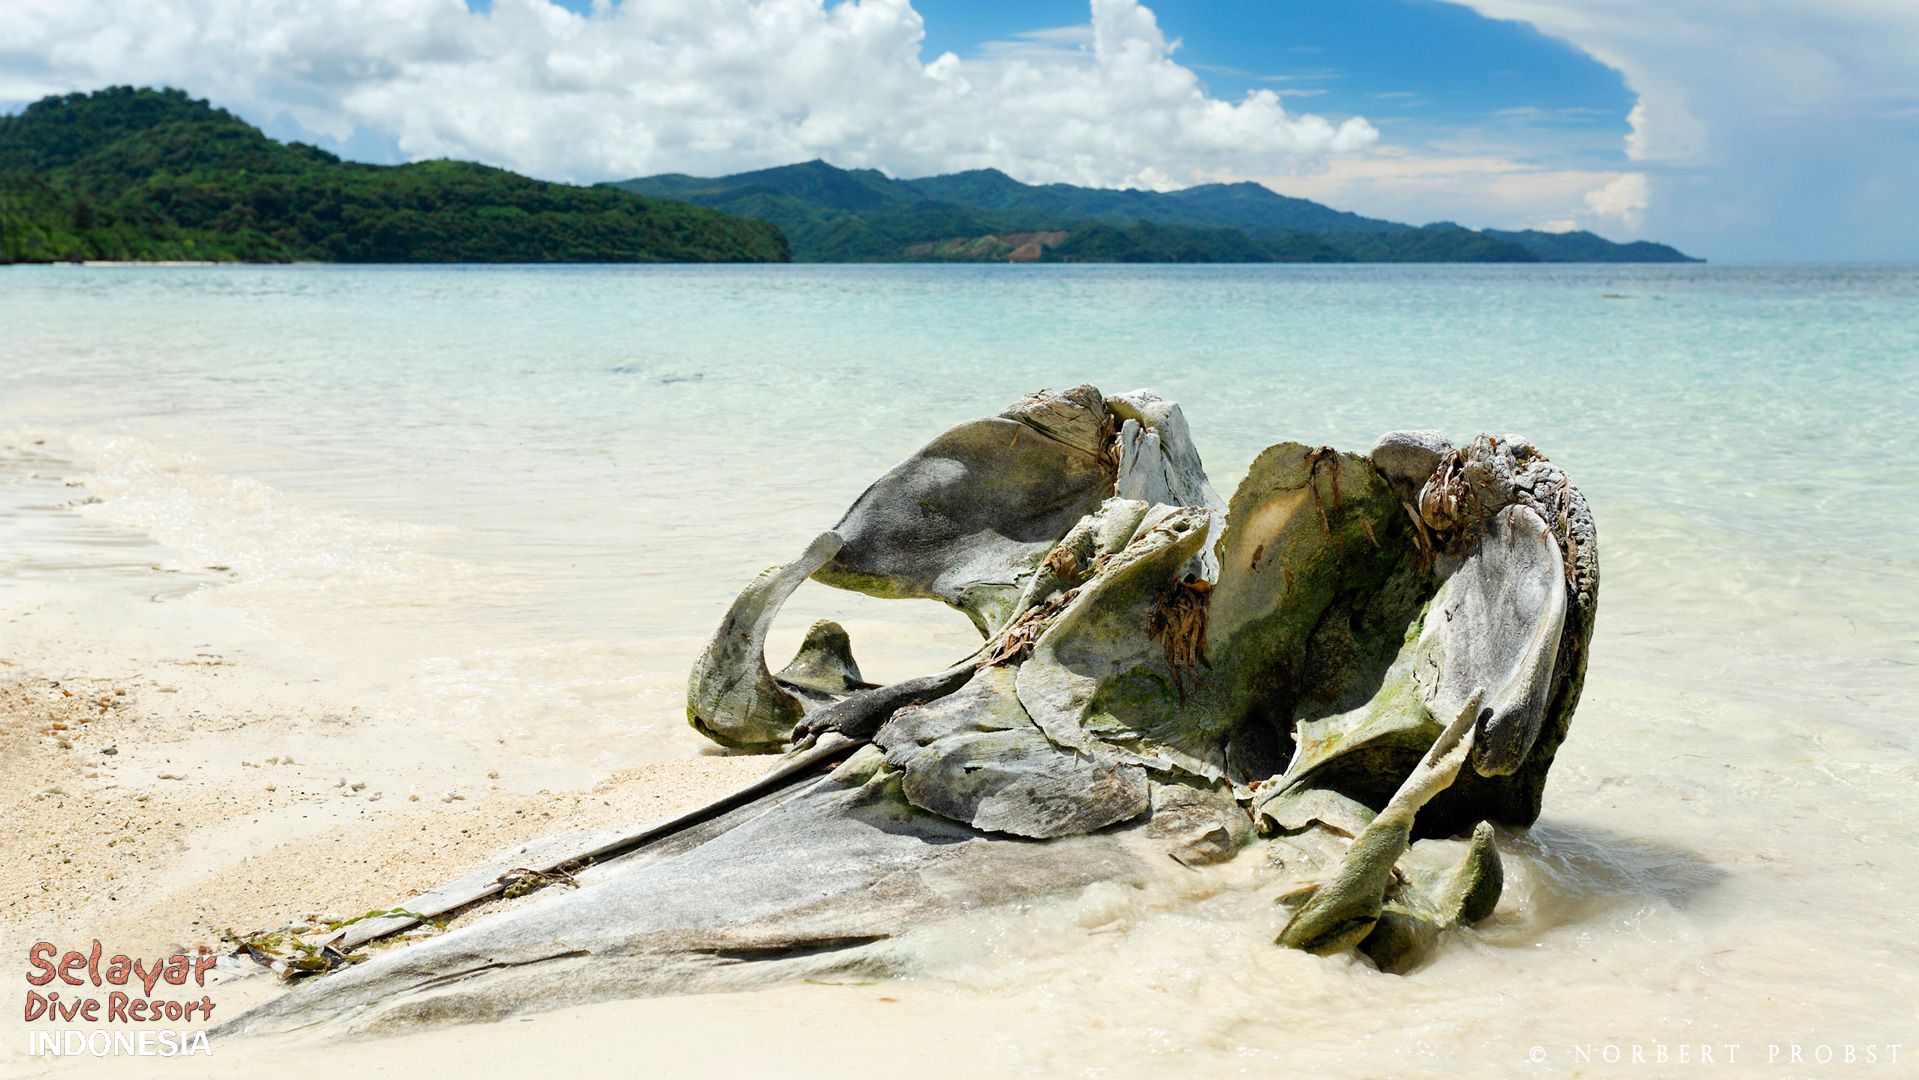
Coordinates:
319 587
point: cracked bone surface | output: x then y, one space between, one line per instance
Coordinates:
1357 659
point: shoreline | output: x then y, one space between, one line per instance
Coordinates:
1548 264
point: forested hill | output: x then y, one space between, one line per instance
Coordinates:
831 214
138 174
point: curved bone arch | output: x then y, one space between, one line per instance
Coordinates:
1358 658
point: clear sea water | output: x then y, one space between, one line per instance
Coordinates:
514 500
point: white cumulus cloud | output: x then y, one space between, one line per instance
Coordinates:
1768 130
1624 198
1478 190
699 86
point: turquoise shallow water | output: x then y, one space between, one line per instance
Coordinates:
525 495
597 435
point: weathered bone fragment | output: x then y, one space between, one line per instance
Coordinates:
859 715
975 510
993 517
1343 911
1348 751
1431 902
824 668
560 851
1097 679
1304 528
820 886
731 697
1496 629
1498 622
1105 531
1407 458
1203 824
1496 788
975 756
1159 465
1314 595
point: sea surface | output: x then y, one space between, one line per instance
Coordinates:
511 503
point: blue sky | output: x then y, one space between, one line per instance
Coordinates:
1429 68
1732 129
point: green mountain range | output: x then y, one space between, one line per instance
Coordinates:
128 174
831 214
141 174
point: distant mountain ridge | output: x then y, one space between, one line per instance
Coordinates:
830 214
150 175
143 174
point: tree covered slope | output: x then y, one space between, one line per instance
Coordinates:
142 174
831 214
